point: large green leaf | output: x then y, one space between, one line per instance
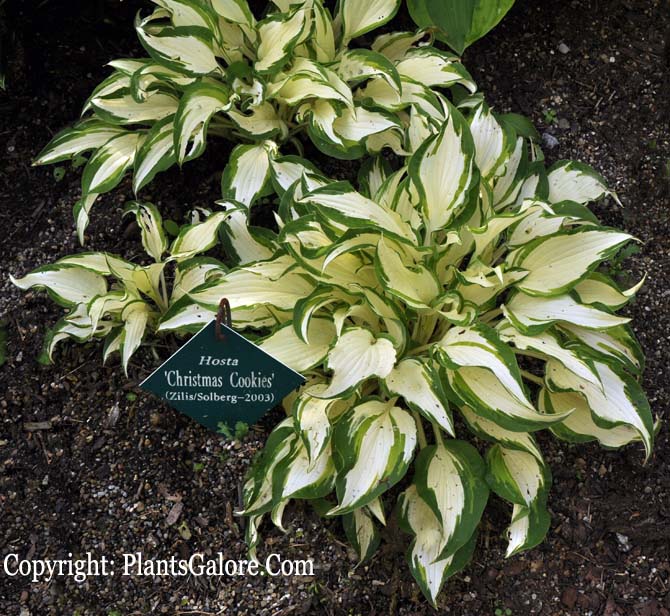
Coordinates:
459 22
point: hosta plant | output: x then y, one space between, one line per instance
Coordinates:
462 295
120 302
214 71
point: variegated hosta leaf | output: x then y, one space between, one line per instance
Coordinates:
295 476
242 242
557 262
125 110
420 384
362 532
110 162
415 284
532 315
258 488
483 372
247 171
490 431
200 102
150 223
156 153
580 426
450 479
522 479
429 569
431 67
357 356
573 181
87 135
252 288
278 34
373 444
197 238
442 171
285 345
185 48
619 401
548 346
66 284
618 343
135 317
600 289
353 210
359 18
312 420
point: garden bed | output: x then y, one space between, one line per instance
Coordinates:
88 463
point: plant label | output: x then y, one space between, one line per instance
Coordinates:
229 380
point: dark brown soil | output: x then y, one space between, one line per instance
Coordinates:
103 468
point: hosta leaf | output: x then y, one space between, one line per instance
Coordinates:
600 289
285 346
620 401
262 123
573 181
247 289
361 532
126 110
237 11
490 141
278 34
532 315
150 223
618 343
442 172
428 568
357 124
580 426
450 479
242 241
490 431
522 479
420 384
192 273
197 238
548 345
81 211
87 135
156 153
108 165
247 171
357 356
311 418
528 528
185 48
347 207
295 476
258 487
199 103
432 67
415 284
373 444
359 18
358 65
556 263
135 317
66 284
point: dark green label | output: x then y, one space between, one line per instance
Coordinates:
227 381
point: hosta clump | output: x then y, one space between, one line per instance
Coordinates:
467 282
215 71
120 302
